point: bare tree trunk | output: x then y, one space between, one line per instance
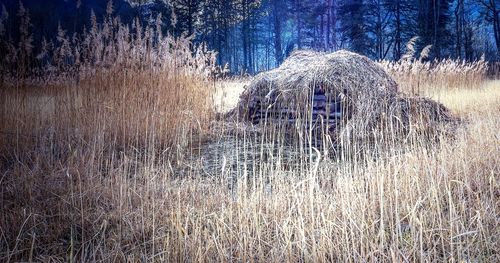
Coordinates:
397 41
322 32
333 10
244 35
278 52
459 27
379 31
437 11
328 23
469 50
298 7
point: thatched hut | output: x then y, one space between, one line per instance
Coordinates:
341 94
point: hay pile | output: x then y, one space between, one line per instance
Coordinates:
368 95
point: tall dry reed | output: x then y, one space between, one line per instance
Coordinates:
128 82
416 74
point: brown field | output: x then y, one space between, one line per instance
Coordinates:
122 158
91 199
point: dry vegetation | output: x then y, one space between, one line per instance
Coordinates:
106 161
417 75
365 98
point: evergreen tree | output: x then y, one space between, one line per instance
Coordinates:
352 15
433 22
402 24
187 12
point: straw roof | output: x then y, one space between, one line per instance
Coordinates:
339 70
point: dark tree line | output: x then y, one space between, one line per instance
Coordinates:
255 35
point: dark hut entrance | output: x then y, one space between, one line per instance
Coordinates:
326 106
321 114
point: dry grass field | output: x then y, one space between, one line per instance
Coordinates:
126 160
87 198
